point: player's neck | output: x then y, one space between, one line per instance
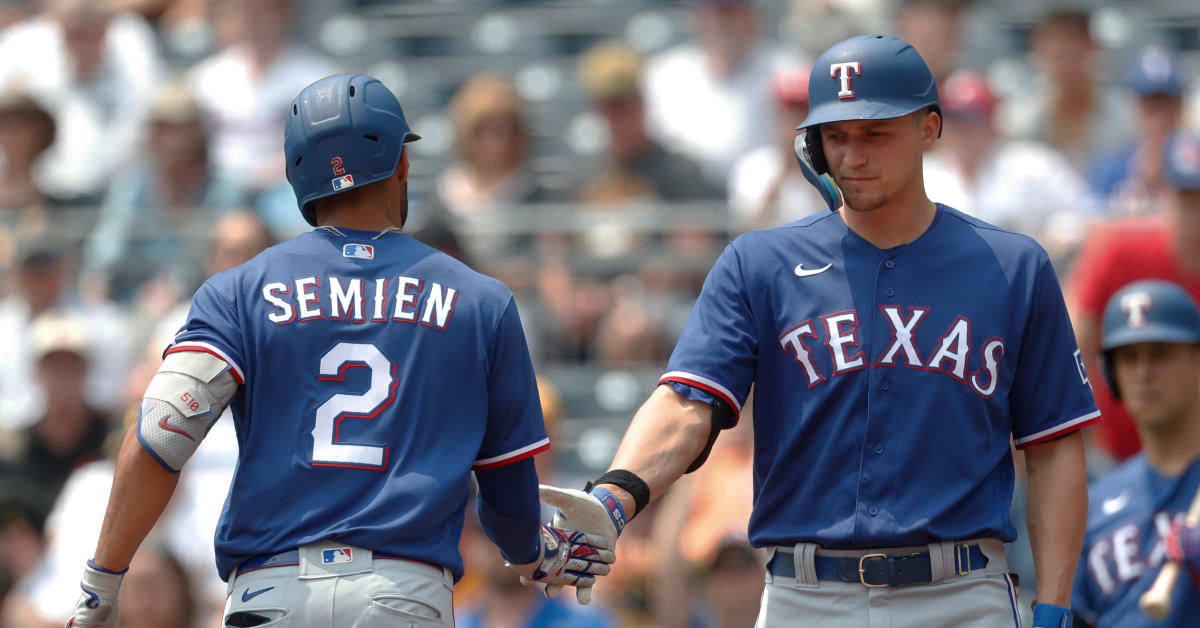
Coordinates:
365 213
899 222
1171 449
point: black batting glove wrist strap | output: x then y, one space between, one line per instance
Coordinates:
629 482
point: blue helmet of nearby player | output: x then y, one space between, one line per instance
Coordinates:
342 132
869 77
1147 311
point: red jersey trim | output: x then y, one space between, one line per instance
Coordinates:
513 456
1062 429
204 347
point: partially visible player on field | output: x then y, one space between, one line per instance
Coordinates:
1151 348
367 375
1164 246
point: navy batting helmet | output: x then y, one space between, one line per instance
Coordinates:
1147 311
343 132
869 77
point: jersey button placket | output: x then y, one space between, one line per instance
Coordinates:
872 510
885 385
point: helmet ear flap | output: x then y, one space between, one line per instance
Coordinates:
811 156
814 150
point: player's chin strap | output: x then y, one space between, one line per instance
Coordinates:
808 147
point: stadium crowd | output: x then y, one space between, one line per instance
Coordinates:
596 166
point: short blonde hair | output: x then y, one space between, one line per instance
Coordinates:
485 95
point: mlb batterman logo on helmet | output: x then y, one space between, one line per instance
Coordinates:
870 77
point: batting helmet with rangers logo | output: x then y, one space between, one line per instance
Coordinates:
342 132
870 77
1147 311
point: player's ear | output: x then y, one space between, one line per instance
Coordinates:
931 128
402 169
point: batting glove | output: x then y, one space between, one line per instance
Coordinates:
1051 616
1183 545
597 514
97 605
569 558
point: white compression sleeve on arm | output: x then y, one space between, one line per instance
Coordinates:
187 395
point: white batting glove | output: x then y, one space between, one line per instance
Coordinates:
587 513
97 605
569 558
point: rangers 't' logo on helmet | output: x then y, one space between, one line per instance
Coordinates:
845 71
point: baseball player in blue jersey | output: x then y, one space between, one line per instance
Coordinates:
895 348
368 375
1151 345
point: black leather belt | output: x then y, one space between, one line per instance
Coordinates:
880 569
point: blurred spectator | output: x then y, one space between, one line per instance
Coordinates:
234 239
933 27
1068 107
42 281
1019 185
638 166
490 173
1165 246
26 132
1132 179
702 524
766 187
96 71
156 593
69 433
244 89
152 214
710 99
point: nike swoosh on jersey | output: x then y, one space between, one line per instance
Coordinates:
247 595
800 272
1114 504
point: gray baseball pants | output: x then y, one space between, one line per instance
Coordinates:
984 598
333 590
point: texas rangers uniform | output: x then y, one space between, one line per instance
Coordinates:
358 354
888 386
1129 513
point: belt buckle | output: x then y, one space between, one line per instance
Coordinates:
962 556
862 576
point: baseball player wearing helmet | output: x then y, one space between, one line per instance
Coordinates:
895 348
367 375
1151 357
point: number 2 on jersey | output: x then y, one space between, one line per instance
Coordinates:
327 451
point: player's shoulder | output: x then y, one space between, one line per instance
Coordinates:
815 229
1006 244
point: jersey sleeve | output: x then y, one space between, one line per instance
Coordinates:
515 429
718 349
1051 395
212 327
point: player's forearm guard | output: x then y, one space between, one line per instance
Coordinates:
187 395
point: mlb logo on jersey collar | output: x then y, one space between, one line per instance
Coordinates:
337 555
358 251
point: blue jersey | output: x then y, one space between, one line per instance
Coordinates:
887 383
376 373
1129 513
